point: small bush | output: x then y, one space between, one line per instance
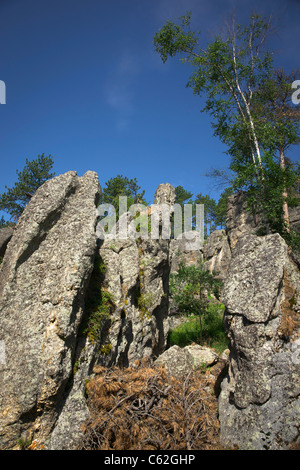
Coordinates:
213 333
98 303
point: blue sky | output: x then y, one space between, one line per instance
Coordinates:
85 85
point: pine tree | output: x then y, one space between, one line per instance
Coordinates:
33 175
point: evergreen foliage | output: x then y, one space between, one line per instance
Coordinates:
122 186
33 175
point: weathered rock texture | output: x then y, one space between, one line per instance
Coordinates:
135 280
137 276
239 221
43 280
165 194
180 361
5 236
259 403
217 253
187 248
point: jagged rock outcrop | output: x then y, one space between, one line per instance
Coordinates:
187 248
43 280
239 221
137 277
217 253
259 402
165 194
130 282
69 301
6 234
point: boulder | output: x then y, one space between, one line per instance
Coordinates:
181 361
259 403
177 361
201 356
43 280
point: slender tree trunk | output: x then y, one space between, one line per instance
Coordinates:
285 207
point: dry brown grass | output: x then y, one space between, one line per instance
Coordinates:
143 408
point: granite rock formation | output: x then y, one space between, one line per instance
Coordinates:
180 361
133 285
165 194
70 301
43 279
137 277
187 248
259 403
217 253
239 221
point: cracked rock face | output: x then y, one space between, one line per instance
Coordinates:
259 404
187 248
137 277
5 236
165 194
217 253
43 279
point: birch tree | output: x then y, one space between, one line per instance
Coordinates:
227 72
278 124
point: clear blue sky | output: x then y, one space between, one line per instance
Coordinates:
85 85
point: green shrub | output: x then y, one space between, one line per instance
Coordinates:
190 288
144 302
98 303
98 314
213 333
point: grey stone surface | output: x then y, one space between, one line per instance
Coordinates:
43 280
259 403
165 194
217 253
180 361
239 221
6 234
137 276
177 361
187 248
